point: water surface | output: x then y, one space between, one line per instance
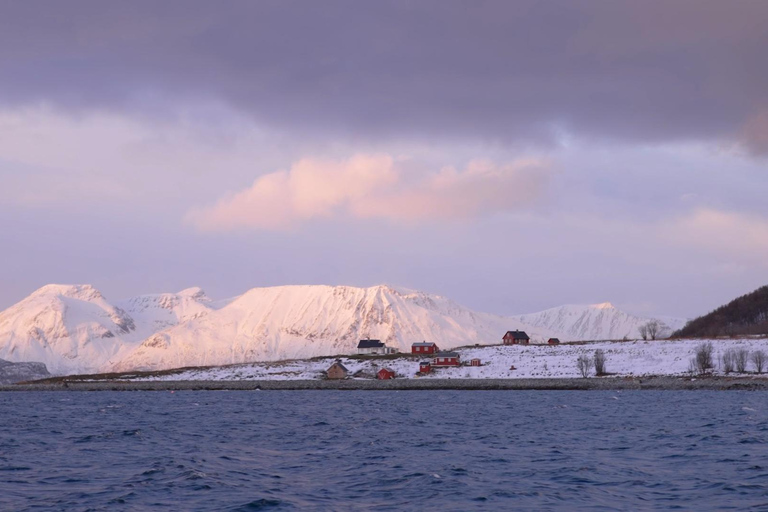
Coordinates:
360 450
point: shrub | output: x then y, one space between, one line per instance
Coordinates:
599 361
702 359
741 358
727 360
584 364
758 359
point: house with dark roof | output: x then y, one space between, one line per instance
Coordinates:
553 341
337 371
516 338
369 346
442 359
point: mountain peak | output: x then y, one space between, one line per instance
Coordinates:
195 292
75 291
604 305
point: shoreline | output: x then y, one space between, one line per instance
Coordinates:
556 384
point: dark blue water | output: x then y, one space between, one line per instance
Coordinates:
326 450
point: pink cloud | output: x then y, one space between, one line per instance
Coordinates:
375 186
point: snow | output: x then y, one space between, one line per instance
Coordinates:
290 322
624 359
595 322
74 329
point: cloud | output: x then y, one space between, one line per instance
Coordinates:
375 187
737 236
655 70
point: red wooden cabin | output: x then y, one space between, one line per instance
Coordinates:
474 362
424 347
516 338
425 367
386 374
446 359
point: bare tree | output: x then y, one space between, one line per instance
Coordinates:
741 358
727 360
644 331
702 359
599 361
758 359
584 364
654 329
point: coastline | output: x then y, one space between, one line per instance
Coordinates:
557 384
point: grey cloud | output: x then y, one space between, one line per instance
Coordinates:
493 70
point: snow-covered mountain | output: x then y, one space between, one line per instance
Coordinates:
285 322
74 329
595 322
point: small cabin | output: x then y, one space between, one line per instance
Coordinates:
385 374
553 341
337 371
425 367
474 362
446 359
516 338
424 347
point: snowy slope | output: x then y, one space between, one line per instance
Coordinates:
153 313
624 359
73 328
594 322
286 322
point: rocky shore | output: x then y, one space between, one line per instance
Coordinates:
598 384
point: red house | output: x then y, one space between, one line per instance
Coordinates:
516 338
474 362
386 374
553 341
425 367
446 359
425 347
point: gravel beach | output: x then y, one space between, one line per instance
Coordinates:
605 384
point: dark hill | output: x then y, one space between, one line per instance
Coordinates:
746 315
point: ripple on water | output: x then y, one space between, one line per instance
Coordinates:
393 451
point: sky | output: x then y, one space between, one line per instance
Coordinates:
512 155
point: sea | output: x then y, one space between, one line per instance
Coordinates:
383 450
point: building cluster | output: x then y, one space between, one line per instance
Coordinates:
437 358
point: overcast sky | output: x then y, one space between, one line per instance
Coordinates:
511 155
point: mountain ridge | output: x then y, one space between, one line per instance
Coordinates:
73 328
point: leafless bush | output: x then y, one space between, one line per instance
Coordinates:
584 364
727 360
741 358
644 331
758 359
702 359
599 361
654 329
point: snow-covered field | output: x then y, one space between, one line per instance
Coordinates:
630 358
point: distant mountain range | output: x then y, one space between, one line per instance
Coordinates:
747 314
595 322
74 329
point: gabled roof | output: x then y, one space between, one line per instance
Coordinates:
390 370
370 344
423 344
338 363
554 339
518 335
422 363
447 354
